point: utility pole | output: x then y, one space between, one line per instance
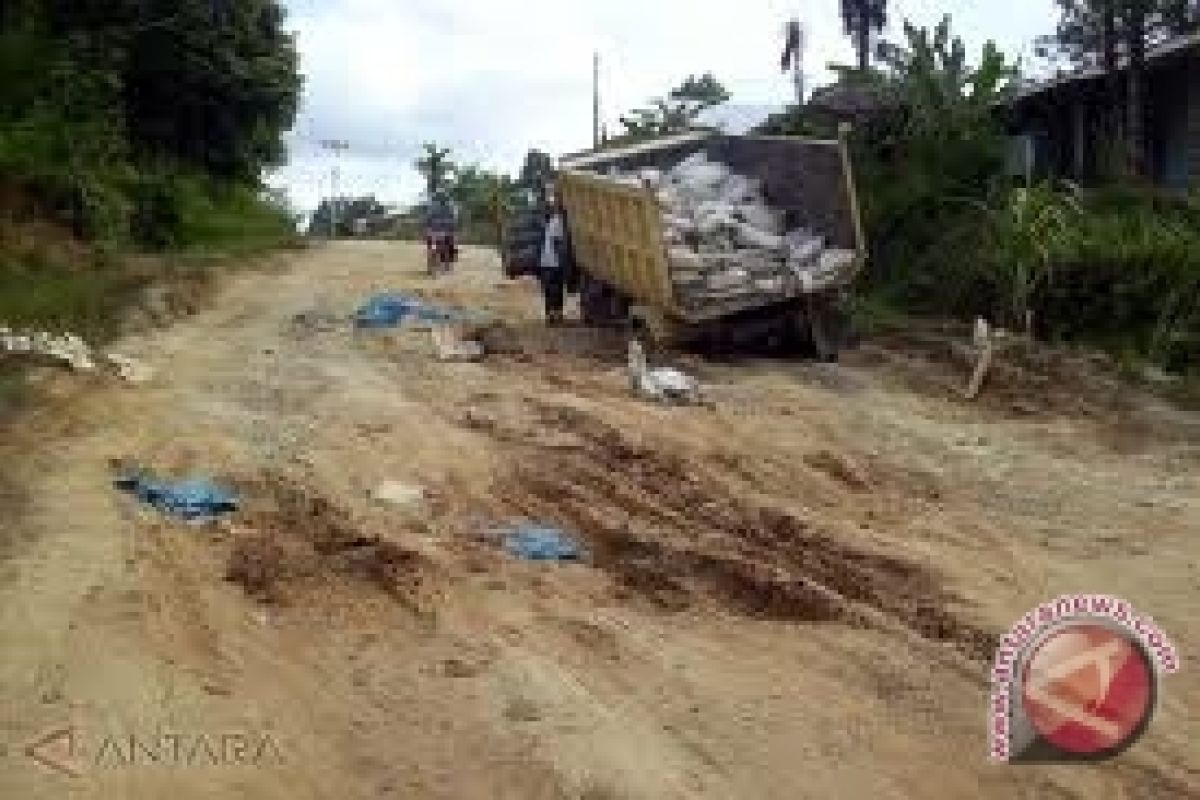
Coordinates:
335 146
596 138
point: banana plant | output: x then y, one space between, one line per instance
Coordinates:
1030 228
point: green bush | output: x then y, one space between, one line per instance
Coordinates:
1128 278
190 212
44 292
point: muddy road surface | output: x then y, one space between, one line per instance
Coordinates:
793 592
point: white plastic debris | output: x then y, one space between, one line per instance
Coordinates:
394 493
129 369
66 348
661 384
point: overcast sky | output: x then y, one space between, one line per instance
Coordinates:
491 79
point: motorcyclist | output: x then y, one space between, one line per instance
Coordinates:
441 222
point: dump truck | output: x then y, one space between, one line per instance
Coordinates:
621 252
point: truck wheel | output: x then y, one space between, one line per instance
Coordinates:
591 300
660 330
600 304
819 327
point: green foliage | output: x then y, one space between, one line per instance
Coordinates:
436 166
1128 276
1030 229
932 166
214 84
106 109
703 91
951 235
674 113
46 292
862 19
342 216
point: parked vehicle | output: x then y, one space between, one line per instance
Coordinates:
523 243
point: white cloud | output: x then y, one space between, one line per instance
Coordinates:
492 79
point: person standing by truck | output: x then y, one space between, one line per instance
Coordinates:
555 263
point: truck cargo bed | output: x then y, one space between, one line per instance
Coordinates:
617 229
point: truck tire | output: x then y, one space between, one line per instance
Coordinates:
590 301
659 329
599 304
819 325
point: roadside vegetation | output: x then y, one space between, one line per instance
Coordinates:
128 128
955 232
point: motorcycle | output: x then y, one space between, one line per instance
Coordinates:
441 253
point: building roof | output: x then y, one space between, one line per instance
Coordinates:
589 158
735 119
1171 47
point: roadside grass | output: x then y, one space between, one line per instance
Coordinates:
53 282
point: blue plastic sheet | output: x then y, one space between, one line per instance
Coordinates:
538 543
197 499
390 310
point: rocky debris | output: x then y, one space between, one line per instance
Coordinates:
398 494
452 344
726 244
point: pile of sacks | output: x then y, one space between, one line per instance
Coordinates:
724 242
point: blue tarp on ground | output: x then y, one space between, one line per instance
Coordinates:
192 500
539 543
389 310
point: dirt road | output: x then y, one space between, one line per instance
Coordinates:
790 594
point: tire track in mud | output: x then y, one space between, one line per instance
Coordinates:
291 535
667 529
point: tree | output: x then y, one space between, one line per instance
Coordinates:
122 113
702 92
863 19
213 85
676 112
536 172
435 165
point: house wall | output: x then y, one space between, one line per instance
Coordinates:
1174 124
1193 122
1167 125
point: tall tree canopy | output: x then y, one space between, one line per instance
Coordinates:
216 86
436 166
99 100
864 19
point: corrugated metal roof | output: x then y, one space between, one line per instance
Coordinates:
586 159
